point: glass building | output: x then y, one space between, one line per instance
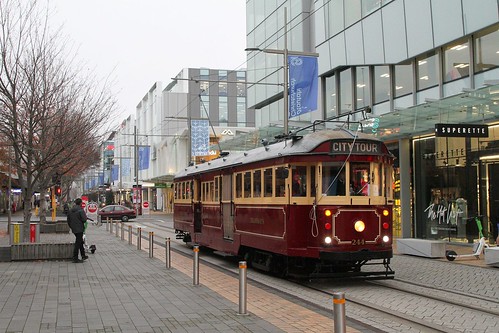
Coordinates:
413 64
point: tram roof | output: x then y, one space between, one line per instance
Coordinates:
279 149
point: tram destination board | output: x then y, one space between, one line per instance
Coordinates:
462 130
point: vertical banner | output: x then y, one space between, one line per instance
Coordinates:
144 157
200 137
303 85
114 172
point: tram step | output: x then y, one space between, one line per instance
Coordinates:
223 254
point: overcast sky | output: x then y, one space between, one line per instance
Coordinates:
139 42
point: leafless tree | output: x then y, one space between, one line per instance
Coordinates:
49 112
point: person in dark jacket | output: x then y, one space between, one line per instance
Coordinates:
76 221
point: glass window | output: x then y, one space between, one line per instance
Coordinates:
299 181
204 87
247 184
369 6
352 11
204 106
336 17
331 96
239 185
456 61
359 178
376 180
346 91
427 71
403 80
313 185
381 84
241 112
362 87
267 182
216 197
333 179
487 51
280 183
223 110
257 183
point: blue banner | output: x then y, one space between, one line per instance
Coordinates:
115 172
200 137
144 157
303 85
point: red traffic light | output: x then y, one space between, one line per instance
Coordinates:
58 190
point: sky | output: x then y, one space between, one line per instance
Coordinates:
139 42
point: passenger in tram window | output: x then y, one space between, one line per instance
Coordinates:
299 183
297 189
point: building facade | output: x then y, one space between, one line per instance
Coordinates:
413 64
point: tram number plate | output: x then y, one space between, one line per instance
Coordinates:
358 242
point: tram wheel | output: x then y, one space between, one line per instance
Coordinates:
450 255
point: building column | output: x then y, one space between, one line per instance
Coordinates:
405 187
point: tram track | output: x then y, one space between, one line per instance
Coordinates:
363 297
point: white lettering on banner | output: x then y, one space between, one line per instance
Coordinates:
355 148
437 212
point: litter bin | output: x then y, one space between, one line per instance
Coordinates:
16 233
34 232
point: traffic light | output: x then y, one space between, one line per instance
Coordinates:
58 190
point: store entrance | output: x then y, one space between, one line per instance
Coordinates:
493 198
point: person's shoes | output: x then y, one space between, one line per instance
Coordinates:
84 257
76 261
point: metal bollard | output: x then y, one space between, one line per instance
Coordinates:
116 229
111 227
107 223
340 325
122 232
151 244
130 235
195 268
168 257
139 238
242 288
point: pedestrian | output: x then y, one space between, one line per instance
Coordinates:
76 221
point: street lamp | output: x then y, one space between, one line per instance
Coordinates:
285 52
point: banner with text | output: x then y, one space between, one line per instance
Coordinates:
303 85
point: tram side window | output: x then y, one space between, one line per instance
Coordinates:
333 179
239 185
216 196
280 182
267 182
359 178
376 179
257 183
313 185
247 184
389 179
299 181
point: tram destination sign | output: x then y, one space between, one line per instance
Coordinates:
356 147
462 130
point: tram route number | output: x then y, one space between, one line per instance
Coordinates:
358 242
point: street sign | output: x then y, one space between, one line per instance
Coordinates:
92 208
145 208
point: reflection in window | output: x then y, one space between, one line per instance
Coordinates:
346 91
267 182
299 181
487 51
257 183
381 84
362 87
331 96
456 61
427 71
333 179
403 80
359 178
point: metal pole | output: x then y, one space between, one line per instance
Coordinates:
111 227
130 235
139 238
117 223
9 190
195 268
286 107
151 244
107 223
340 325
168 257
122 232
136 167
242 288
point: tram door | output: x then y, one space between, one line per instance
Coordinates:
227 216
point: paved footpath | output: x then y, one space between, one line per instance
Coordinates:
121 289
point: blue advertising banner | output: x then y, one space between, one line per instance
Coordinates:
303 85
200 137
144 157
114 172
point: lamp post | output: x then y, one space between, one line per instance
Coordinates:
285 52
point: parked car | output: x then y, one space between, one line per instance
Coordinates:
116 212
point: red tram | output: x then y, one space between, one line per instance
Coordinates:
317 205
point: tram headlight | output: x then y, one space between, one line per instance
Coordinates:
359 226
328 240
327 212
385 212
386 239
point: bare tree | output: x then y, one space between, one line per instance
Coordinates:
50 113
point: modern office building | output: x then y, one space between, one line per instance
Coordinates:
156 142
415 64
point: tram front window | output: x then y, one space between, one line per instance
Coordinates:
299 183
359 179
333 179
